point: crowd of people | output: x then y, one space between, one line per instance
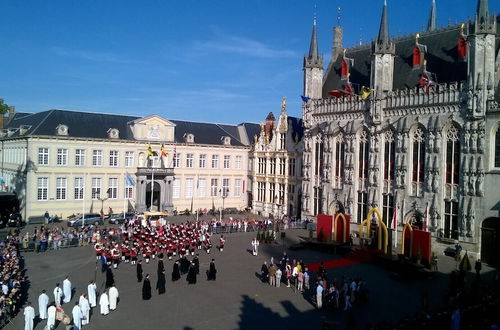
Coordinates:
11 278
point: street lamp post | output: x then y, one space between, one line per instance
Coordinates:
102 203
224 193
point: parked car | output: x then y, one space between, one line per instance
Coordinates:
89 219
15 220
119 218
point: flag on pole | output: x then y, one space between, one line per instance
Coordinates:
305 99
163 151
365 92
129 181
149 150
426 215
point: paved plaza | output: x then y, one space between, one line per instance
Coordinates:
237 300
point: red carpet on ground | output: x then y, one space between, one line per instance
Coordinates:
331 264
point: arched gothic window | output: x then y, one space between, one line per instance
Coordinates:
389 155
339 159
452 155
418 160
363 155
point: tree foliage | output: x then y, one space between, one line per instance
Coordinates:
3 107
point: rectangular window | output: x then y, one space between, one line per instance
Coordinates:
43 156
227 161
202 188
418 161
97 158
389 157
318 207
262 165
237 187
62 157
283 141
261 191
80 157
113 188
272 192
497 148
451 219
225 187
113 158
387 209
189 188
291 167
214 185
238 162
339 159
282 166
272 166
61 186
203 161
362 206
215 161
318 161
42 189
79 188
177 160
281 194
363 160
96 188
176 189
189 160
452 161
129 159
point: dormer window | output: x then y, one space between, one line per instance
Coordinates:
189 138
11 131
62 129
113 133
226 140
23 129
3 133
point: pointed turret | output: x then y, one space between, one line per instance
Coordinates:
432 24
313 59
384 44
313 68
485 23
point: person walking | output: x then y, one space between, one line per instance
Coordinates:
104 303
51 317
319 295
77 316
66 290
83 302
279 273
113 297
58 293
146 288
212 272
160 285
139 271
91 291
29 316
43 301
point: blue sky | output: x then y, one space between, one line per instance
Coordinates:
209 61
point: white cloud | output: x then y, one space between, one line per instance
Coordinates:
92 55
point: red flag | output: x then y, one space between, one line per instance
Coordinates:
394 224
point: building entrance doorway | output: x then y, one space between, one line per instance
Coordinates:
153 197
490 241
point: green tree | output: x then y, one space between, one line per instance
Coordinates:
3 107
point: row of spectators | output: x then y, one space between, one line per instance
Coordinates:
11 278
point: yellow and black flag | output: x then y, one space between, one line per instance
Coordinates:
149 150
365 92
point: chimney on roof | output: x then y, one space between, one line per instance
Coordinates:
12 112
337 42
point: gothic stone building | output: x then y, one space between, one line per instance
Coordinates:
275 163
410 123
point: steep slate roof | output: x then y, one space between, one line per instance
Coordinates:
96 125
441 57
251 130
296 124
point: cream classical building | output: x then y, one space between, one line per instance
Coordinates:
69 162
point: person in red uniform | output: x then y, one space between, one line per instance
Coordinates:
222 241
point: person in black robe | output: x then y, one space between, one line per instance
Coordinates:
184 265
139 271
264 270
176 274
160 285
196 262
161 266
110 279
211 273
191 276
146 288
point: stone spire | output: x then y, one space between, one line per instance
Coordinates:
485 23
383 43
482 9
313 58
432 24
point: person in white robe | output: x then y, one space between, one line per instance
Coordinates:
85 307
113 297
43 301
58 295
91 290
104 303
51 317
29 316
67 290
77 317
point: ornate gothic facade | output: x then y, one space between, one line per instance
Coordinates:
409 123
